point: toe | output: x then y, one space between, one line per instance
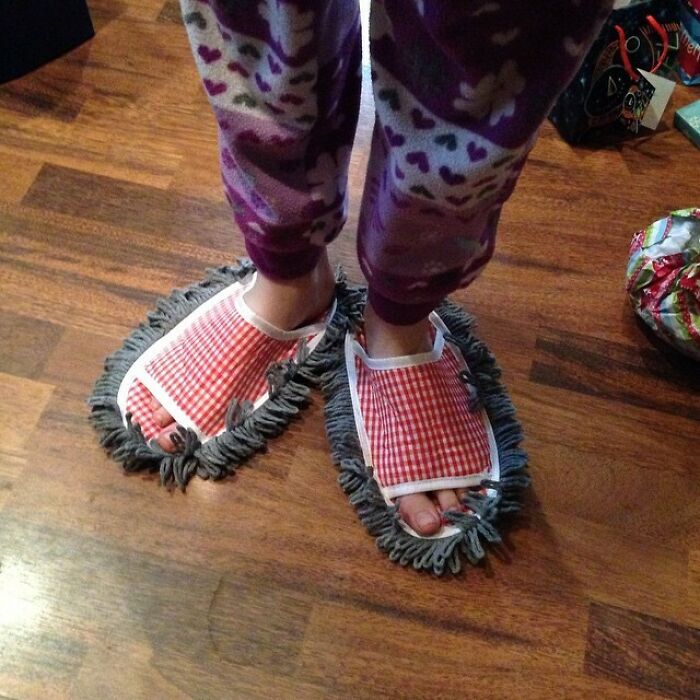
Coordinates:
154 404
448 500
165 440
420 513
162 417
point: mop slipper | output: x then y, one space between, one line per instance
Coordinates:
439 420
229 379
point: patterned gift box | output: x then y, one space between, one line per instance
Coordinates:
687 120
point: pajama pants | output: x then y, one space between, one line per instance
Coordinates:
460 89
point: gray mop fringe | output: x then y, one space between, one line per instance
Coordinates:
477 530
247 432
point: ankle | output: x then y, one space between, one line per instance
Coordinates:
385 339
290 303
320 280
320 277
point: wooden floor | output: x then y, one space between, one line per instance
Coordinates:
266 585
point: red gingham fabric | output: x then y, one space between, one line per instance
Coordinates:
138 404
419 424
219 357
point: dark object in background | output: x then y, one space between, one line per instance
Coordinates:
34 32
594 106
689 55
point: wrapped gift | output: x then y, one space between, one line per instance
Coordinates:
663 279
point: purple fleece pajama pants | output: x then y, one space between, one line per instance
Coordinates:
460 88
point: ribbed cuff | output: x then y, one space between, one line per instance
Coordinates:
400 314
284 266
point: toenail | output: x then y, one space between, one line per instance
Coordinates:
425 518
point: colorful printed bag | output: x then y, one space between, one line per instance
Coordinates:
689 53
663 279
608 96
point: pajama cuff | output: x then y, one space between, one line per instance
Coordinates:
400 314
285 265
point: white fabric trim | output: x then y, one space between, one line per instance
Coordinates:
447 482
386 363
138 372
353 349
446 531
350 344
268 328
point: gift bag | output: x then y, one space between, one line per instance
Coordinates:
609 96
689 52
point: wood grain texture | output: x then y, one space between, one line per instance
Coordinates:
170 12
644 651
111 201
265 585
27 344
653 379
23 170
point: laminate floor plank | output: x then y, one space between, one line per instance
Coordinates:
265 585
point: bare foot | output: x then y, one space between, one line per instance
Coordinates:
386 340
286 304
422 511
